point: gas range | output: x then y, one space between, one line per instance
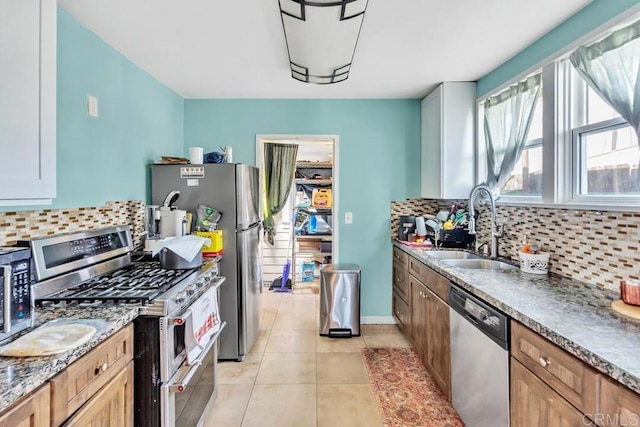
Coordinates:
176 333
97 266
158 291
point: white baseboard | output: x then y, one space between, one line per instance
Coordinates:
377 320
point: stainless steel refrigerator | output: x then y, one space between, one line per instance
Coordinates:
232 189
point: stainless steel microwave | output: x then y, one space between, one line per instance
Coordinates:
16 311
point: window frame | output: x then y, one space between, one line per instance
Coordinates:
577 170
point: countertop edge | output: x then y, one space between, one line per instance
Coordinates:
584 354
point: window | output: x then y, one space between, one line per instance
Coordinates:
604 152
526 177
579 150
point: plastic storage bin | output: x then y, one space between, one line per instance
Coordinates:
340 300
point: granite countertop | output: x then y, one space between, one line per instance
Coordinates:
19 376
574 315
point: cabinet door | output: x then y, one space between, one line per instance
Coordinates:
112 406
619 406
33 410
431 147
27 99
419 316
438 343
401 313
534 404
401 281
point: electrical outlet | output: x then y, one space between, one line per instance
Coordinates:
92 106
348 217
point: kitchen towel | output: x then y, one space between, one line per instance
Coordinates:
186 247
202 323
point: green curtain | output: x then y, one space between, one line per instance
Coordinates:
279 170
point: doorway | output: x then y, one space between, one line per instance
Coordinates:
306 232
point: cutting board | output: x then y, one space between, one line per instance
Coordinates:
628 310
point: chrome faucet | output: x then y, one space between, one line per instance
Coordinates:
496 229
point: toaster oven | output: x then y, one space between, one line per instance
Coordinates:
16 311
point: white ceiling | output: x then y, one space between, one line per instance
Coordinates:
236 49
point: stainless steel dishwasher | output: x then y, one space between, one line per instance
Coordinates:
479 361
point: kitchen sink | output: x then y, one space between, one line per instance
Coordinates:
479 264
451 255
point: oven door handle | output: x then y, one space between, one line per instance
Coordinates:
180 320
181 385
6 327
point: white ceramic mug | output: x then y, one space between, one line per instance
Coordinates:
196 155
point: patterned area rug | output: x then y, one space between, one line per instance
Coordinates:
406 394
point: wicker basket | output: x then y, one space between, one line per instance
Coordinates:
534 263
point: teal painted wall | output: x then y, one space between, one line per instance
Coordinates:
589 18
140 119
378 142
105 158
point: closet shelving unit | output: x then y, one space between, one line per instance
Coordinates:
311 245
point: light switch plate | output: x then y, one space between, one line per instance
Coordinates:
92 106
348 217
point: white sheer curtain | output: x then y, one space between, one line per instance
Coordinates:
507 119
612 68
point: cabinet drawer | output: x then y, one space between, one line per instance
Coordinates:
401 281
401 312
112 406
81 380
570 377
438 284
400 256
619 406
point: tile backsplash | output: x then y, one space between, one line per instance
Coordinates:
597 247
20 225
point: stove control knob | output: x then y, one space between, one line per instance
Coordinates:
191 290
180 297
200 284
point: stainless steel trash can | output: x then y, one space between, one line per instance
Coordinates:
340 300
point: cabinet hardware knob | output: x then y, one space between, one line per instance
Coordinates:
544 362
101 368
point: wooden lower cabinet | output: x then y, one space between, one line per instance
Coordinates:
535 404
438 359
418 315
112 406
95 390
619 406
430 333
32 411
401 313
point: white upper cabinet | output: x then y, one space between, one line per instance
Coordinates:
27 101
447 159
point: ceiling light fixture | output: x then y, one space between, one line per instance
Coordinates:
321 37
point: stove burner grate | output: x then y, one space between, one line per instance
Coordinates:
141 282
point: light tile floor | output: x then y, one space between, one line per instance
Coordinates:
293 377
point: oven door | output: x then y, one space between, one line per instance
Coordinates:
185 397
175 333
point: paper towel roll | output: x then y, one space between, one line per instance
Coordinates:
421 229
171 222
